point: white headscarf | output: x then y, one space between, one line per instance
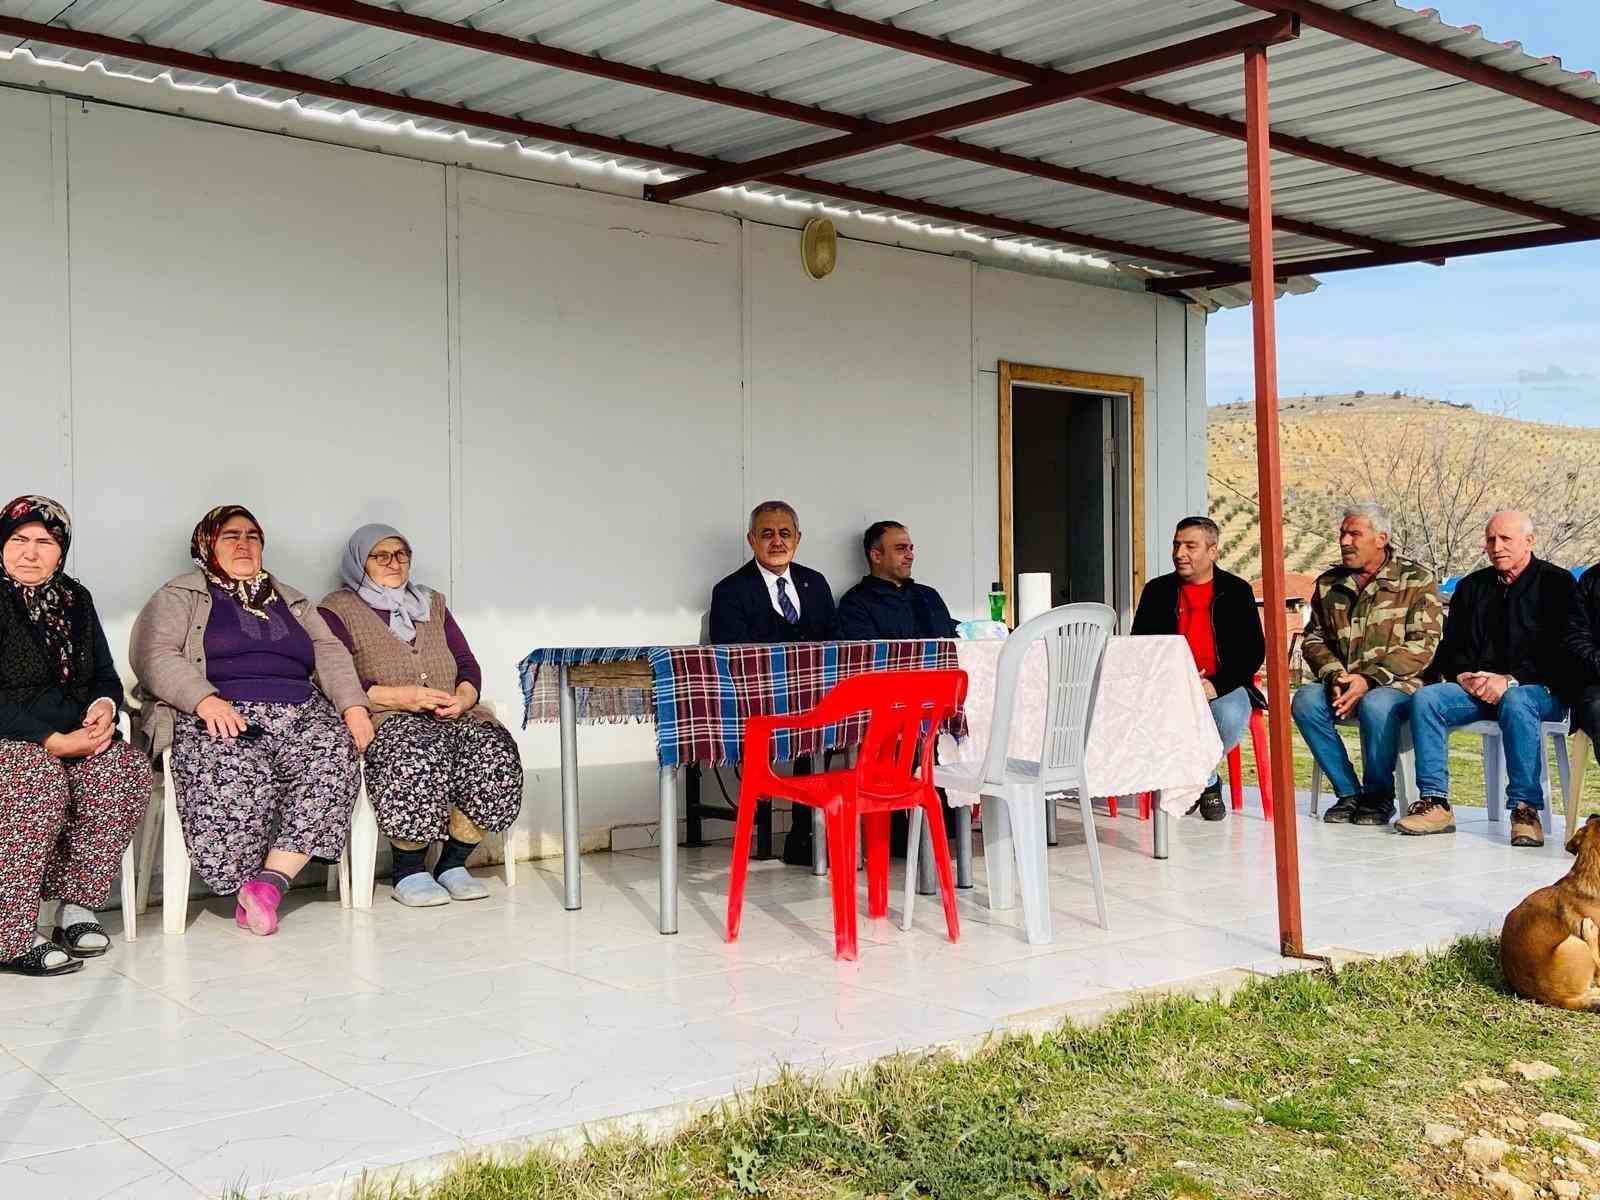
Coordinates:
405 605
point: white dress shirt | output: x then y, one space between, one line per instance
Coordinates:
771 581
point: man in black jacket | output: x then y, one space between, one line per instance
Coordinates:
1583 649
1502 659
772 598
888 603
1215 612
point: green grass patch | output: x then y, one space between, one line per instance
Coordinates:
1309 1084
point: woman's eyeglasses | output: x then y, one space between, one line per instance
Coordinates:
384 557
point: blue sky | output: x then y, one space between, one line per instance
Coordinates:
1518 331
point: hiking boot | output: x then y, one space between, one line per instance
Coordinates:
1210 805
1373 810
1526 829
1341 810
1431 814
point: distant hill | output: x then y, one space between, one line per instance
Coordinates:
1322 439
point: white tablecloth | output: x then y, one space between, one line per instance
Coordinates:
1151 729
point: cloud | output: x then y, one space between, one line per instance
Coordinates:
1554 379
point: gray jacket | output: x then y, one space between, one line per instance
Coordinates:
168 653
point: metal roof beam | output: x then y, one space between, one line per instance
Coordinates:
298 84
1434 57
1435 252
1060 88
434 30
938 49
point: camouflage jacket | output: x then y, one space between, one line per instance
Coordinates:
1388 632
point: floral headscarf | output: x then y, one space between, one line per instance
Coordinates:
252 594
53 607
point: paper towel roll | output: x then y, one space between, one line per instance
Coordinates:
1033 595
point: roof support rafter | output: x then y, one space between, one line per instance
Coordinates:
434 30
298 84
1060 88
941 50
1436 58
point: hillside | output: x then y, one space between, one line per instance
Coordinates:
1444 464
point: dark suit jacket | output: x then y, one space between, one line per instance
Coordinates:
742 612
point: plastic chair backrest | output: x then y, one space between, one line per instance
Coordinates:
896 751
1075 637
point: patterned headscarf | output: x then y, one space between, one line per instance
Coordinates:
252 594
53 607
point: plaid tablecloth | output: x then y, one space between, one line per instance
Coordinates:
702 695
541 686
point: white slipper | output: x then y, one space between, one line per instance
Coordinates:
419 890
458 881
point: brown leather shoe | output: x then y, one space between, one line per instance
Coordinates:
1526 829
1431 814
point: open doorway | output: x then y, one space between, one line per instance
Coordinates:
1071 483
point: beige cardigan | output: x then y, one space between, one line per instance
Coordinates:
167 651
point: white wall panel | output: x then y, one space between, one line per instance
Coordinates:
34 452
860 403
255 320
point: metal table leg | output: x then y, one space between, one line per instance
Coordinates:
1050 836
668 837
1159 820
571 865
819 842
964 846
927 872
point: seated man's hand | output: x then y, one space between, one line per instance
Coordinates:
1473 683
1492 688
1208 687
1347 692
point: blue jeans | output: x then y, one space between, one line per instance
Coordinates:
1441 707
1380 716
1231 712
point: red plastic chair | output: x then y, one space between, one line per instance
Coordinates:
894 769
1258 747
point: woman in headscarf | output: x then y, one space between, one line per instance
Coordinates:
441 768
262 712
71 790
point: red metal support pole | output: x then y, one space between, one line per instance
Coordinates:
1264 327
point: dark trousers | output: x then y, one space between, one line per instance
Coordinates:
1586 715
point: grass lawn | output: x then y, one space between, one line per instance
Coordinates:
1305 1085
1466 771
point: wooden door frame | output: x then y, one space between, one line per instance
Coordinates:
1128 387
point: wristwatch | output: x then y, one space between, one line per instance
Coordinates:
1511 682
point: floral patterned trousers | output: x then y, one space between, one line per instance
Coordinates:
419 768
293 788
64 824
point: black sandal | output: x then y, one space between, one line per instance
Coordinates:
68 939
32 962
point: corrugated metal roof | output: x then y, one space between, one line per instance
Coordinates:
1323 88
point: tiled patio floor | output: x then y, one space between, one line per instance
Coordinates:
176 1067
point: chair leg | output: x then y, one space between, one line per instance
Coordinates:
1236 778
913 850
508 855
149 839
1578 767
1111 807
363 851
174 859
1144 806
876 826
941 860
1494 775
1092 841
842 875
743 826
1258 747
130 894
1405 773
1027 834
1316 787
1563 771
999 854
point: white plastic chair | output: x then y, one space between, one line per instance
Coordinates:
1405 772
1075 637
1494 766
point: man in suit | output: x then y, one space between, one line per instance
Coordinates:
1215 612
772 598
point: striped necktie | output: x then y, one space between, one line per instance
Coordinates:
785 605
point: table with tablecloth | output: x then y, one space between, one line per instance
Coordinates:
698 698
1150 728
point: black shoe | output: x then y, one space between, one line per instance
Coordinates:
797 846
1342 810
1373 811
1210 805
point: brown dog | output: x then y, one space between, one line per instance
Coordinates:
1550 943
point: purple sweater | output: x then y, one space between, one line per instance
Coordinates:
247 658
467 669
